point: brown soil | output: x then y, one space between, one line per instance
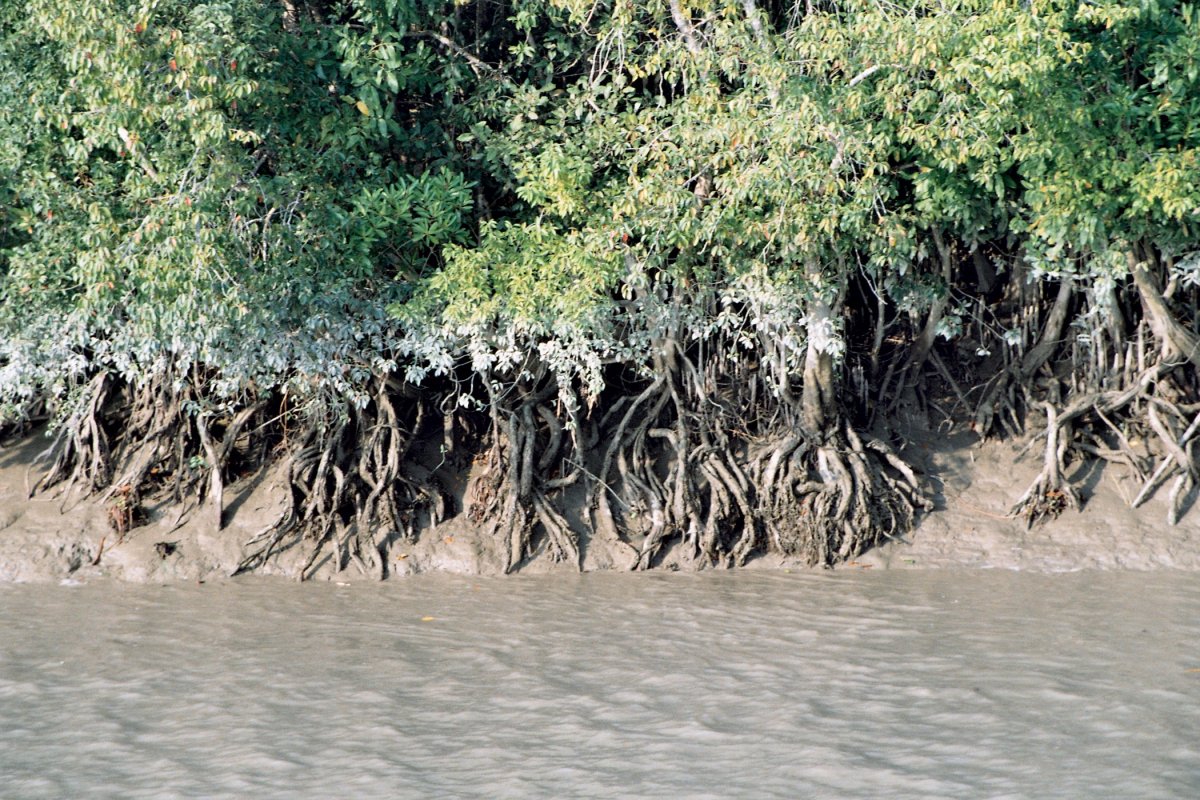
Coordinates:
60 535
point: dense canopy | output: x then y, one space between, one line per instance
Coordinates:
678 263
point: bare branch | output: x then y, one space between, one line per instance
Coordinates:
685 28
755 20
478 65
862 76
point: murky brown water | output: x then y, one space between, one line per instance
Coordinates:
871 685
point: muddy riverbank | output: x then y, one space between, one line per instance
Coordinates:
61 535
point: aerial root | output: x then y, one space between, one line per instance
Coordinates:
1078 427
346 474
860 494
1178 461
1049 494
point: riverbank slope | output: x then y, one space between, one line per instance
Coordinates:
60 535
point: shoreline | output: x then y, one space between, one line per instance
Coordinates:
62 536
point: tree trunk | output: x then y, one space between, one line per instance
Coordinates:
686 30
818 401
1051 332
1166 328
924 343
985 273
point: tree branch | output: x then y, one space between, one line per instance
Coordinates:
1162 321
685 28
478 65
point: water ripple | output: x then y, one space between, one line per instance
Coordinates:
892 685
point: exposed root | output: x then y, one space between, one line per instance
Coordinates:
1122 376
677 473
519 476
347 469
127 443
832 502
710 453
1178 461
562 539
682 470
80 452
125 511
348 477
691 459
1049 494
1007 394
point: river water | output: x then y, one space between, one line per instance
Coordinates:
731 685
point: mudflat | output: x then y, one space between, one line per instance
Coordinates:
62 535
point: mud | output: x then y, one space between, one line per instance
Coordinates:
61 535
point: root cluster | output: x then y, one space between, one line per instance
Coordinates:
349 478
1120 385
707 452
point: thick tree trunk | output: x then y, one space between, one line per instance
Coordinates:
1162 322
1051 332
818 400
924 343
985 273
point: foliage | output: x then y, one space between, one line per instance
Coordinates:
189 187
248 197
